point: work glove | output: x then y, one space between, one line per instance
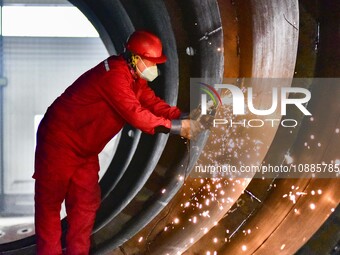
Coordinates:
186 128
206 121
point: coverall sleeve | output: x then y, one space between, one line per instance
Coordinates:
117 92
156 105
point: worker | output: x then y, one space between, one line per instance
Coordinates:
78 125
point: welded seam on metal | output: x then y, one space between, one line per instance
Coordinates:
207 34
283 219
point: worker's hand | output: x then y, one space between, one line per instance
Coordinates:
206 121
190 128
195 113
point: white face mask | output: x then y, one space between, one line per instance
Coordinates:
149 73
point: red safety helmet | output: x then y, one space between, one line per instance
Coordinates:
146 45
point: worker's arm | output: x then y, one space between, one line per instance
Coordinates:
180 124
119 95
155 104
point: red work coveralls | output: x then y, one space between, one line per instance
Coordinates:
74 130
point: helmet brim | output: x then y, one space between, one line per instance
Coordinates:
159 60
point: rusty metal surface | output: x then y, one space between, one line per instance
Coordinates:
261 224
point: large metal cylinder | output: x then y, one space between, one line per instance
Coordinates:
149 200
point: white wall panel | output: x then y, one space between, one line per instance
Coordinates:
38 70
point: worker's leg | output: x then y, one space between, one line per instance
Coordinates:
82 202
48 198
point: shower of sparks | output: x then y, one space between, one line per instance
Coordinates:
312 206
199 201
212 194
289 159
230 145
294 194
